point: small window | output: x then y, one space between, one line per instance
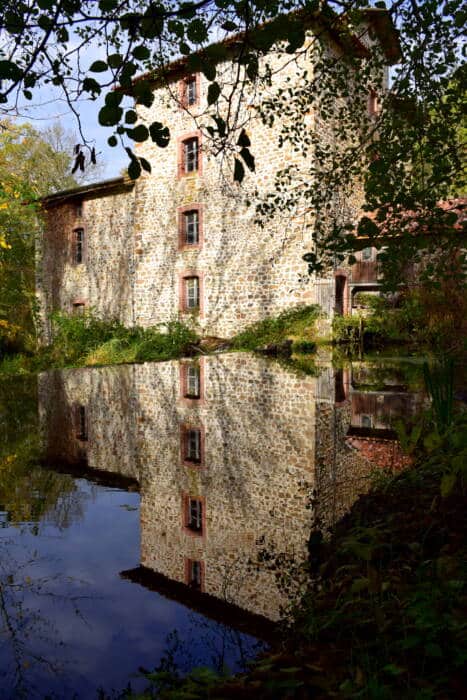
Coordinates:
191 90
78 308
366 421
81 423
191 155
190 227
78 236
373 104
195 574
191 293
79 210
367 254
193 445
194 515
192 381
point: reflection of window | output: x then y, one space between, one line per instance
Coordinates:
191 293
366 421
78 245
195 574
190 155
81 423
367 253
193 445
192 381
194 515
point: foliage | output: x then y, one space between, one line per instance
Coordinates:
297 323
29 168
86 339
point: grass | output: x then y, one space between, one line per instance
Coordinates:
296 324
86 340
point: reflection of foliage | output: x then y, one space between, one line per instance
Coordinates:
29 493
21 620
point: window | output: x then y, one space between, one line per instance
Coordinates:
190 155
191 90
194 515
79 210
194 574
81 423
190 227
193 445
78 241
192 381
373 105
366 421
78 308
367 254
192 293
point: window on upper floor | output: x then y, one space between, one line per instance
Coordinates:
191 90
78 246
190 155
193 445
79 210
190 227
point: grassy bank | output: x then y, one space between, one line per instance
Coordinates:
86 340
296 325
385 613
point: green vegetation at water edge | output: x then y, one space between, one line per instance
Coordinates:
86 340
297 324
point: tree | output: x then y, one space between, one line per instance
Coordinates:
407 155
29 168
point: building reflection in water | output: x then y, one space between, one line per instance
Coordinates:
233 455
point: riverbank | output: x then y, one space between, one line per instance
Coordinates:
87 341
385 613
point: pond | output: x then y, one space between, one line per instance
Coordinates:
151 514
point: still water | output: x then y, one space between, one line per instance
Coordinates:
142 507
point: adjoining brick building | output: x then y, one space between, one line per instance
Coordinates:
181 242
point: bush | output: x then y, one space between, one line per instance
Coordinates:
293 323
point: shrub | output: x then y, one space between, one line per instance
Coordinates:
293 323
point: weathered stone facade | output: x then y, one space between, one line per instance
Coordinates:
274 457
135 268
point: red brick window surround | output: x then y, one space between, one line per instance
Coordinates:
192 382
189 154
189 91
191 292
78 245
190 227
194 515
194 574
192 445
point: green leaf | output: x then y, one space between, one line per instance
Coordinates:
112 141
239 171
131 117
115 60
159 134
197 31
91 85
146 165
214 91
447 484
98 67
134 169
109 116
141 52
9 71
139 133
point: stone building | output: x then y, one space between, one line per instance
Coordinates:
181 242
236 459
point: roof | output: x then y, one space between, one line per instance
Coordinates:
335 25
95 189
